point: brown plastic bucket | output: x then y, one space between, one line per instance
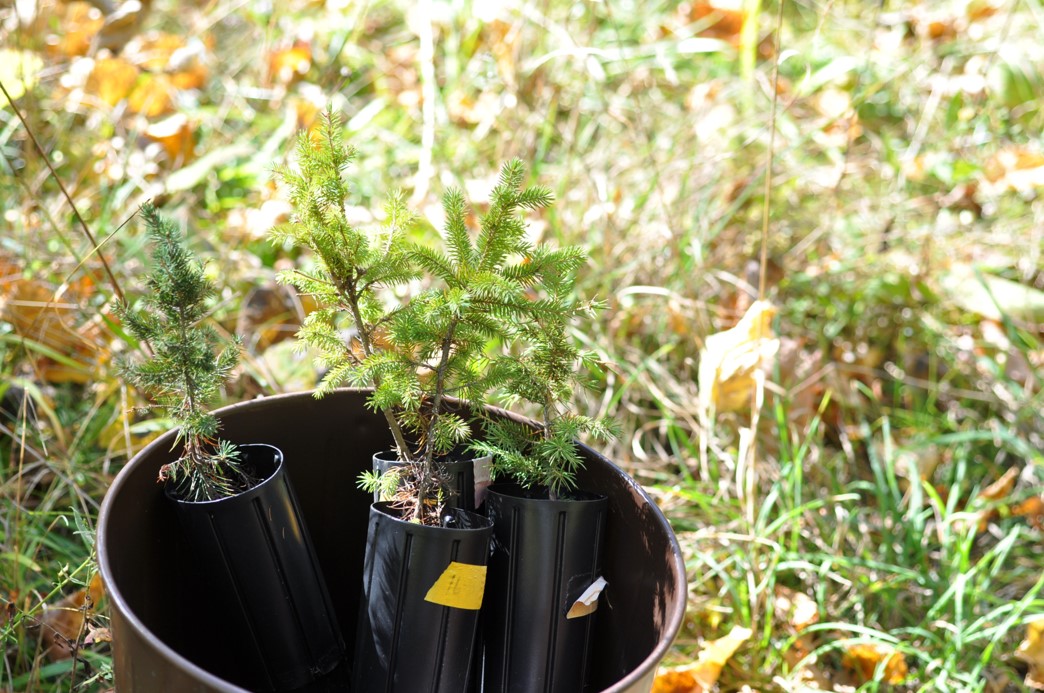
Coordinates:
327 443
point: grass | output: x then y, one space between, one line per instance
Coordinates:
905 184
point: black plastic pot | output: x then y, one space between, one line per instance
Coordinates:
466 479
546 554
264 589
421 594
159 644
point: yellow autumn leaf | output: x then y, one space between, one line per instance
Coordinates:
864 659
703 674
18 71
153 96
175 135
731 359
76 25
1031 651
288 64
112 79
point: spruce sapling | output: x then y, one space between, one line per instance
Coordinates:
544 372
418 354
187 369
480 286
352 266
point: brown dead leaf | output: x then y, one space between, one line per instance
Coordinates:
502 40
703 674
123 24
63 623
399 76
1031 651
992 495
51 317
288 64
175 134
112 79
96 635
730 360
78 24
170 54
466 110
864 658
1033 510
1001 488
675 681
1015 169
722 19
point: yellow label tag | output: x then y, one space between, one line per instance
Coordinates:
460 586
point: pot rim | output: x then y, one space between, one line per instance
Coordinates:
391 457
507 489
482 523
242 496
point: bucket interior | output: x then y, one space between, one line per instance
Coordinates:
326 444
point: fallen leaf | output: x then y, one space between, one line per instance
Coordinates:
123 24
63 624
96 635
703 674
112 79
1001 488
991 495
730 359
153 96
153 51
180 60
675 681
175 135
977 10
1031 651
66 343
77 26
465 110
721 19
1033 510
1015 169
992 297
18 71
288 64
864 659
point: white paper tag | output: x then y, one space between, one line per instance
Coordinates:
588 601
482 481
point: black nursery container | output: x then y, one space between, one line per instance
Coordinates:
546 554
160 642
264 589
421 594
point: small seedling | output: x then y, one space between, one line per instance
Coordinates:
544 371
188 365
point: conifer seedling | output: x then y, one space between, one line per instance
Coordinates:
188 366
544 370
415 354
